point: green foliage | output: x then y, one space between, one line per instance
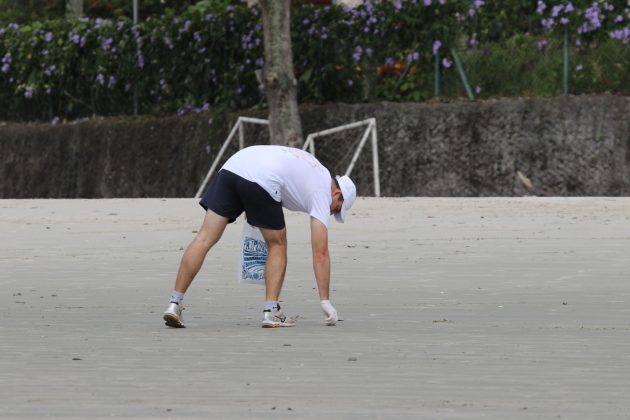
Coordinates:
194 55
25 11
22 11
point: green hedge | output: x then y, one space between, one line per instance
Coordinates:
208 57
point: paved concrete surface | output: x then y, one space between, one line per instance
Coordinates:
452 309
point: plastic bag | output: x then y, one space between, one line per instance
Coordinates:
251 267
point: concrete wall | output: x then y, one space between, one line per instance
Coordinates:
564 146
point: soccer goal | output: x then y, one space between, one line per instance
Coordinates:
370 132
370 129
238 128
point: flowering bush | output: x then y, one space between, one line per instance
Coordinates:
208 57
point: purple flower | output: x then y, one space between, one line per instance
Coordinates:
184 109
473 42
197 37
107 44
167 42
75 38
398 5
478 90
414 56
555 10
350 82
48 37
390 61
479 3
369 52
55 121
427 3
50 70
579 67
28 93
112 82
358 51
619 19
100 79
564 20
541 7
260 62
437 44
136 34
582 29
471 12
542 44
446 63
6 67
592 14
547 23
569 8
201 50
621 35
306 22
186 27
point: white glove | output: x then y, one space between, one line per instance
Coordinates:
329 312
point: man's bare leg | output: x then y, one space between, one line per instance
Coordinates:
209 234
276 264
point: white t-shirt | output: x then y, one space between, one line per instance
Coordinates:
291 176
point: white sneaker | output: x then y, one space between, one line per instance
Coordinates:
277 319
173 315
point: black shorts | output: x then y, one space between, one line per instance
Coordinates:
230 195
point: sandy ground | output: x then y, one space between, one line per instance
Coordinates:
452 309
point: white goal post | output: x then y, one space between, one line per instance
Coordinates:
370 129
310 143
241 143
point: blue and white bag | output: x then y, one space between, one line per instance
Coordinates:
251 269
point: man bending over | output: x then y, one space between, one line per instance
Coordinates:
259 181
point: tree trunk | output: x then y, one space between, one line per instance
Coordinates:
74 8
280 85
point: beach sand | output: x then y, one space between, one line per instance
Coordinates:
453 308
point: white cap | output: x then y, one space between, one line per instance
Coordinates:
349 192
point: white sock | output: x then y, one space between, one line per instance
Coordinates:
271 305
177 297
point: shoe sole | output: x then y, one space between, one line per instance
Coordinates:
173 321
278 325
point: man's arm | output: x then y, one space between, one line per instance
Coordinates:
321 257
